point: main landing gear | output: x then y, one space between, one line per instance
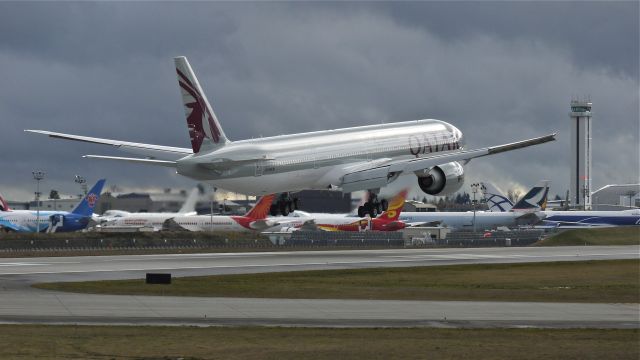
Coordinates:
373 206
284 205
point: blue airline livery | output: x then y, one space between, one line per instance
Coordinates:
52 221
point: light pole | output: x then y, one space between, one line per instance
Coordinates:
213 194
38 175
80 180
474 190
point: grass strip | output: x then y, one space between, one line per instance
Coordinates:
606 281
607 236
138 342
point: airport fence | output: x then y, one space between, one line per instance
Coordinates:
17 243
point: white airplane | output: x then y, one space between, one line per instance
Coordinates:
350 159
527 211
120 219
255 219
584 219
51 221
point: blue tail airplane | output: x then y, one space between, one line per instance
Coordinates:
51 221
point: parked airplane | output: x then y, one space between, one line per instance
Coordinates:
524 212
120 219
585 219
52 221
351 159
387 221
255 219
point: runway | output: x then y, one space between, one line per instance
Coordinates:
20 303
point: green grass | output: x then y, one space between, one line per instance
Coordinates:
608 236
586 281
134 342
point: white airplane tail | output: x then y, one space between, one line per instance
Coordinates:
496 200
204 128
189 205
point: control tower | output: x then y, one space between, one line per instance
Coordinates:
580 182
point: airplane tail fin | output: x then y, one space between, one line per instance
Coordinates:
4 206
395 206
535 199
495 198
261 209
86 205
204 128
189 204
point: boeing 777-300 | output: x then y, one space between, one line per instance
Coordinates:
350 159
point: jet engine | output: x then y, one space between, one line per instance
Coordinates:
442 179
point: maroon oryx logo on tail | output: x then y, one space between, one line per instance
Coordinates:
199 119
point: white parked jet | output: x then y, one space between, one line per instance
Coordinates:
351 159
527 211
121 219
255 219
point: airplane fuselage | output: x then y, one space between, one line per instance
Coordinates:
27 221
316 160
465 220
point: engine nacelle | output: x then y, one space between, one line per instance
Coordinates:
442 179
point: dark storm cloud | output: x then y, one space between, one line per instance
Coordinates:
498 71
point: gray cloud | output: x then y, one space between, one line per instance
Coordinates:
498 71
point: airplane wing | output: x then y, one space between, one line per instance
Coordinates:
148 150
531 217
425 224
379 175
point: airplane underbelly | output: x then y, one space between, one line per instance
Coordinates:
273 183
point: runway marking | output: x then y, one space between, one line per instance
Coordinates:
325 263
22 264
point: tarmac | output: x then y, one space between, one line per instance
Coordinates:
20 303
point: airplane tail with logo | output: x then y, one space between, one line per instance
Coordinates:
395 207
535 199
4 206
496 201
389 219
204 128
86 205
261 209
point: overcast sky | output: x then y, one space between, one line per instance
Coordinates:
500 72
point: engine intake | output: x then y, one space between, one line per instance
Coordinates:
442 179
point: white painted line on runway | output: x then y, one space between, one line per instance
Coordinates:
22 264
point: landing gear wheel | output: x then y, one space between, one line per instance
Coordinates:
362 212
273 210
283 208
384 204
